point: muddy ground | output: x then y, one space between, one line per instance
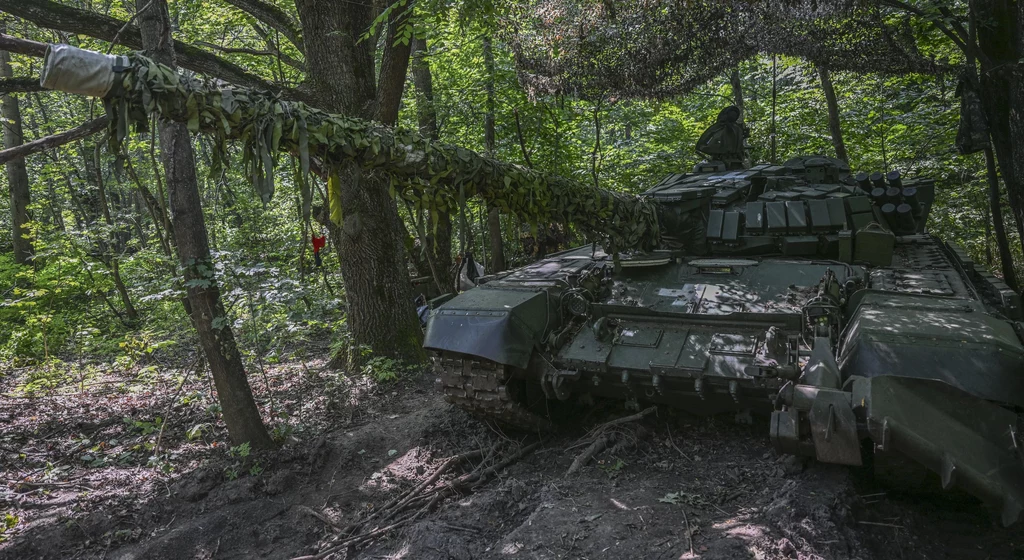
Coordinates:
78 482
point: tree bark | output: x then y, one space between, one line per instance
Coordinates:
273 17
17 173
393 68
497 245
438 237
999 41
380 311
53 15
240 412
26 47
20 85
834 125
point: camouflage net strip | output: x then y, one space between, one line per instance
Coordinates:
430 175
660 48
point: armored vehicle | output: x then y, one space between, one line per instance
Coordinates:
799 290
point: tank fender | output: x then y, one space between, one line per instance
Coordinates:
502 326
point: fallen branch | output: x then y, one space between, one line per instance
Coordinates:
415 497
410 495
633 418
874 524
599 440
318 515
599 445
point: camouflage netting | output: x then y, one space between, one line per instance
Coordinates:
654 48
429 175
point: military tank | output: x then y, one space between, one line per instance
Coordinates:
800 291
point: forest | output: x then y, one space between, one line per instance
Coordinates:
216 271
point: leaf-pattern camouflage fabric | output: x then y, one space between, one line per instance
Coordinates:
429 175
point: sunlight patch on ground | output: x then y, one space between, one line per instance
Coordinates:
414 466
399 554
620 505
512 548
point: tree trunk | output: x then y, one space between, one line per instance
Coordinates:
834 125
995 204
737 91
241 414
17 174
497 245
438 237
1000 42
1016 71
380 311
111 245
393 68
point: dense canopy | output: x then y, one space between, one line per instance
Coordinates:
665 47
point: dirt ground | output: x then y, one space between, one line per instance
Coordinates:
78 483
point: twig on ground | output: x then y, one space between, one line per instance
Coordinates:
875 524
676 447
632 418
689 535
319 516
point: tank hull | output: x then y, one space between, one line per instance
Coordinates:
852 332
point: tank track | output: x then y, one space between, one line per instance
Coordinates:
479 387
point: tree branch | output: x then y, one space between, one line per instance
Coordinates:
618 220
21 46
243 50
19 85
54 140
958 34
273 17
52 15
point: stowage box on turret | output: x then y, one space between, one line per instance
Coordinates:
797 290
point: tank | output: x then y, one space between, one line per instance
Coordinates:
802 291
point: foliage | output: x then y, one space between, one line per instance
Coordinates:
648 48
10 521
62 318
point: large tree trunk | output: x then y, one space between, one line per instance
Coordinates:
438 239
380 310
999 41
497 246
241 414
834 125
17 174
1017 113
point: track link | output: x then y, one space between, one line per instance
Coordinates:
479 387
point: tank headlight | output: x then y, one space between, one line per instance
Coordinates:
578 304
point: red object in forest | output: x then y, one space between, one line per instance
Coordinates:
318 243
